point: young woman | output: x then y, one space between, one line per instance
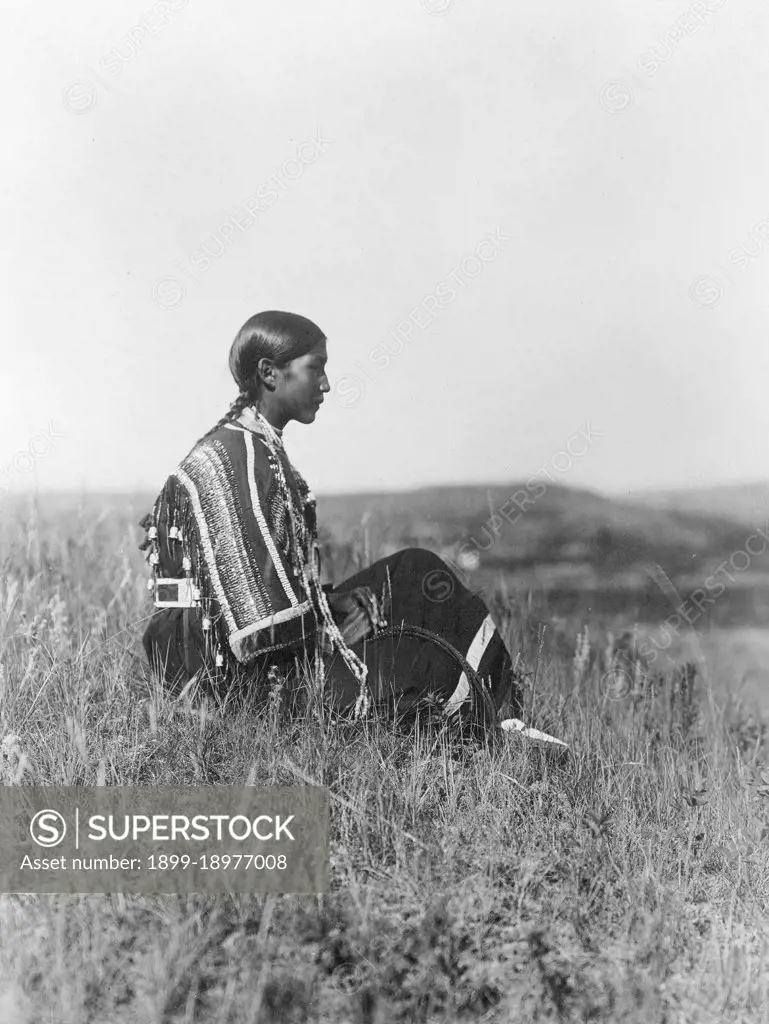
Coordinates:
232 545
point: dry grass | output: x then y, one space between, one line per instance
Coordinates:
467 884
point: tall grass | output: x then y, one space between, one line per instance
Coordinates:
467 882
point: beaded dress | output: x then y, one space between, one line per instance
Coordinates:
233 550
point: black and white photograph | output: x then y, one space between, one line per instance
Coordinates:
384 513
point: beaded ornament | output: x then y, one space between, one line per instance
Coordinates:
305 546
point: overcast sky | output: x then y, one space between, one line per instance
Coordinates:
582 177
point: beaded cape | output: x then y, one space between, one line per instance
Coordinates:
238 521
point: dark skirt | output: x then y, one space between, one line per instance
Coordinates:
416 588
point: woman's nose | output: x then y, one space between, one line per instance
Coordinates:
324 384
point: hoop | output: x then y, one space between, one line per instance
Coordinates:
476 683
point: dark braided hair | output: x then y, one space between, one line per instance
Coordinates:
275 335
234 411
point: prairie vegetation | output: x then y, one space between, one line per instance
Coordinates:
467 882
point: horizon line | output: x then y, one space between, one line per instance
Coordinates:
411 489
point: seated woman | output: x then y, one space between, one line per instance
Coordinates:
232 545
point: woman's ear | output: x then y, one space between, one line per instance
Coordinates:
265 371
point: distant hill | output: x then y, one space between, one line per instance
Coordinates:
748 503
568 543
563 524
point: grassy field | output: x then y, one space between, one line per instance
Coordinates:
472 883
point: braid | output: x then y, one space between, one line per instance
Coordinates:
234 410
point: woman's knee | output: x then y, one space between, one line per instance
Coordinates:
420 560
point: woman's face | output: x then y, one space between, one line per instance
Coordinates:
301 385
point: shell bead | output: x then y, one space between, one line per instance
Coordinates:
173 532
206 623
154 558
186 564
150 584
219 660
152 532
